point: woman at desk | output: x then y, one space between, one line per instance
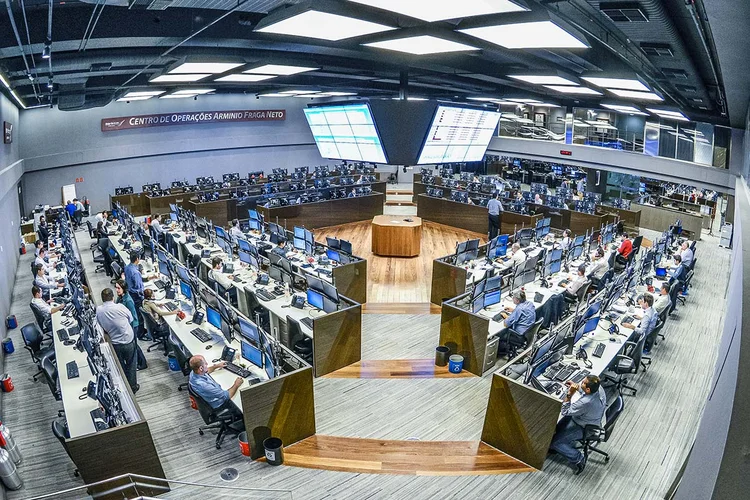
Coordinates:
565 241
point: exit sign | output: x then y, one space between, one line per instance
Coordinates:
566 153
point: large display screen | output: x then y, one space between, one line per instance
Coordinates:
457 135
346 132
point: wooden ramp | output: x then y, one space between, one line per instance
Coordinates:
396 368
417 458
400 308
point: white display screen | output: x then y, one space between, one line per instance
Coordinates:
458 135
346 132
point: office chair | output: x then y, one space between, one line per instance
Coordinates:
221 418
210 280
33 342
228 295
580 294
663 319
158 333
685 286
259 313
515 341
33 269
50 375
45 324
593 435
651 340
101 259
60 430
301 343
92 234
182 356
625 364
692 264
674 290
116 270
194 262
637 243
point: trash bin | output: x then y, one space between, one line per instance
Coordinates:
274 450
6 383
455 363
441 355
8 347
173 364
7 442
244 443
8 472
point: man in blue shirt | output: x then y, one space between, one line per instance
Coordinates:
524 314
680 272
587 410
206 387
134 281
494 207
648 320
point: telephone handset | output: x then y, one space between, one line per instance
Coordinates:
583 356
298 302
228 354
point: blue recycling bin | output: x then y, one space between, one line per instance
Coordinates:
8 346
455 363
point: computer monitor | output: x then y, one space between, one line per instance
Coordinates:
243 244
309 238
330 291
541 348
164 269
173 207
287 278
201 232
588 327
227 330
478 289
186 290
329 306
244 256
593 309
346 246
314 283
254 225
576 252
477 304
253 215
315 299
661 272
248 330
491 298
220 232
213 317
493 283
285 264
333 255
299 232
299 243
251 353
269 366
275 273
333 243
173 216
183 273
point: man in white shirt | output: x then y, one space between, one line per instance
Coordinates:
41 260
41 305
518 256
44 282
236 231
686 253
156 224
663 301
572 288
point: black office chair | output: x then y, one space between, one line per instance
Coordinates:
210 280
637 244
60 430
259 313
33 341
579 297
674 290
159 334
44 323
194 262
514 341
301 343
182 356
651 339
663 320
225 418
116 270
228 295
102 259
50 375
686 285
630 363
92 234
33 269
593 435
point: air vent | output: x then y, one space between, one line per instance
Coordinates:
674 73
688 89
96 67
624 12
657 49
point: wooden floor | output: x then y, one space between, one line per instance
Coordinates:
396 368
418 458
401 308
399 279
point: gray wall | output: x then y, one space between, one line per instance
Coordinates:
60 146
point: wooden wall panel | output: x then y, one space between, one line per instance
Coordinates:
510 222
448 281
351 281
581 222
520 420
337 340
327 213
630 218
283 407
454 214
465 334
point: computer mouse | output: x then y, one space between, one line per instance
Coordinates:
613 339
209 346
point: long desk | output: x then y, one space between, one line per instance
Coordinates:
326 213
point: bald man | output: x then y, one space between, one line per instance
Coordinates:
206 387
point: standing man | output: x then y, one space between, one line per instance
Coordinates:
115 320
134 281
587 410
494 207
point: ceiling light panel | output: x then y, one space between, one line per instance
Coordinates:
144 93
177 96
524 101
279 69
140 98
322 25
295 92
438 10
534 35
421 45
573 90
617 83
668 114
179 78
193 91
543 80
340 94
244 78
624 109
639 96
275 94
213 68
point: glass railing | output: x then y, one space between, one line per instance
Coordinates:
133 486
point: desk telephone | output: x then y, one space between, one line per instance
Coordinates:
228 354
298 302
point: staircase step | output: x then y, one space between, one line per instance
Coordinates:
400 203
400 191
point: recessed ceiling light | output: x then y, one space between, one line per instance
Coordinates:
193 91
524 100
544 80
545 105
140 98
178 78
632 94
573 90
617 83
142 93
279 69
244 78
421 45
177 96
410 98
669 114
534 35
295 92
213 68
315 24
432 10
484 99
275 94
340 94
624 109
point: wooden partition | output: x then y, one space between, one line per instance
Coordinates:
451 213
512 221
448 281
465 334
283 407
337 339
660 218
630 218
136 204
520 420
220 212
351 280
581 222
327 212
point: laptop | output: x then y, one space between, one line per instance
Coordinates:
661 272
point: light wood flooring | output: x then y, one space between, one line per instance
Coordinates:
396 368
399 279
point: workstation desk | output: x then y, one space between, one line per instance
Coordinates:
631 218
563 218
326 213
661 218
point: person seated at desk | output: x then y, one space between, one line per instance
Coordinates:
42 260
225 280
571 289
538 199
207 388
522 314
663 300
70 208
352 194
587 410
156 311
519 195
236 232
38 245
680 271
156 225
517 255
624 250
648 319
281 248
42 305
598 267
43 281
361 180
101 231
686 254
101 217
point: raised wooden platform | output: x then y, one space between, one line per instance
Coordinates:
396 203
400 308
417 458
400 191
396 368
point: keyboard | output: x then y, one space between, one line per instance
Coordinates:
627 319
237 370
563 282
264 295
201 334
308 322
237 279
170 306
552 371
580 376
500 316
74 330
62 335
565 373
197 246
72 368
552 387
599 350
325 271
277 292
160 284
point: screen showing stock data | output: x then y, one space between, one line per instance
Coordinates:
458 135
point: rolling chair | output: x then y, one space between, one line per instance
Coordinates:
50 375
92 234
158 334
60 430
194 262
259 313
301 343
228 295
662 320
653 336
515 341
33 342
580 294
674 291
100 260
45 324
626 364
116 270
221 418
181 355
593 435
692 264
685 286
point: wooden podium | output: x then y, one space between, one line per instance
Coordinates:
392 236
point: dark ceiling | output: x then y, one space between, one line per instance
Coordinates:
103 48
